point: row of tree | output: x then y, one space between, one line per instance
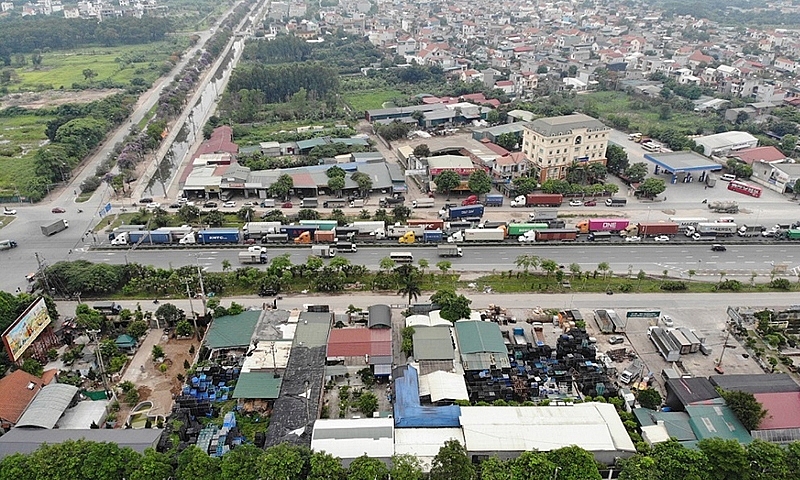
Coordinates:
279 82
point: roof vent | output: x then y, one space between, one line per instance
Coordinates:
31 386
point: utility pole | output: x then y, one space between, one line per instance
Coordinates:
42 274
724 346
191 306
202 287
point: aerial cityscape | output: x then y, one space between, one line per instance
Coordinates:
362 239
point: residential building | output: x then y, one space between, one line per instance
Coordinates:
553 144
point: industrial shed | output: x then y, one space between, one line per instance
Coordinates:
409 412
24 440
427 321
232 331
380 316
481 345
349 439
433 343
726 142
682 392
756 383
509 431
782 423
443 387
424 443
49 405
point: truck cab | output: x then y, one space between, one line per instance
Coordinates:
408 237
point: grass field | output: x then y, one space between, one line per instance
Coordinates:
119 64
642 119
370 99
259 132
20 137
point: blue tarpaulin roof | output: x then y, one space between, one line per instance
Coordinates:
409 413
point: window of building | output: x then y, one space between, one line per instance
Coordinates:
578 140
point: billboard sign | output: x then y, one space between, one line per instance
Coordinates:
643 313
26 329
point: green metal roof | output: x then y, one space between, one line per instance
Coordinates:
258 385
476 337
676 423
232 331
125 341
716 421
432 343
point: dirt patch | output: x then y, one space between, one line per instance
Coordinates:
52 98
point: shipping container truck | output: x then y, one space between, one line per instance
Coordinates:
55 227
751 230
556 224
304 238
346 247
275 238
723 206
713 228
423 203
449 250
320 224
685 223
121 238
397 231
294 231
124 228
471 200
603 321
153 237
324 251
517 229
337 203
369 227
427 223
252 256
600 236
543 215
177 232
324 236
391 201
358 203
493 200
650 229
556 234
309 203
793 234
602 225
616 202
432 236
408 238
483 235
538 200
259 229
218 235
7 244
456 213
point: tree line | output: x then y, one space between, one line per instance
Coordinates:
345 54
40 32
278 83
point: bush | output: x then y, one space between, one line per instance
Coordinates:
732 285
625 287
157 352
90 184
780 284
673 286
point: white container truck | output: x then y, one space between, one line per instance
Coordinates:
324 251
253 255
449 251
423 203
484 235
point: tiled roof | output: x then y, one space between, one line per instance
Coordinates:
358 342
15 396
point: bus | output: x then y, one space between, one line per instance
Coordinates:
402 257
741 187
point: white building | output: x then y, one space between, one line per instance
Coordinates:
349 439
721 144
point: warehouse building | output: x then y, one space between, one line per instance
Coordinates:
481 345
25 441
721 144
433 349
424 443
349 439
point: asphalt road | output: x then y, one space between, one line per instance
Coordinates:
678 259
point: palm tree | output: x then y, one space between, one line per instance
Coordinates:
527 261
549 266
603 267
423 264
574 269
444 266
409 287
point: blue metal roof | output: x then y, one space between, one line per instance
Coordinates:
409 413
683 161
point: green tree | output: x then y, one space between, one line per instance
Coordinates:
493 117
336 184
284 461
363 181
423 264
525 185
652 187
549 266
88 318
574 463
650 398
495 469
169 314
308 214
527 262
195 464
401 213
406 467
726 459
89 74
479 182
324 466
188 213
246 214
616 158
241 463
636 172
444 266
151 466
335 172
767 461
796 188
157 352
366 468
673 461
215 218
447 181
386 263
788 144
452 306
33 367
574 269
282 186
507 140
422 151
603 267
746 408
638 467
452 463
367 403
408 278
532 466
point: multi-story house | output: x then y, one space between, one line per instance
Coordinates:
553 144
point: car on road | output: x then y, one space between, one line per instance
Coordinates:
718 248
615 339
210 205
9 211
667 321
230 204
661 238
58 210
146 200
633 239
250 204
175 205
575 203
286 205
590 203
153 206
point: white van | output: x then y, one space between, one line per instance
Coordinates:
727 177
402 257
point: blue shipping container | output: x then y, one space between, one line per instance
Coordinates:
430 236
469 211
148 237
494 200
218 235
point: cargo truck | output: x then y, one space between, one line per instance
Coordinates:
397 231
616 202
556 234
253 255
543 215
151 237
428 224
721 206
520 338
432 236
358 203
751 230
484 235
713 228
449 250
517 229
370 227
309 203
461 213
408 238
602 225
121 238
324 251
538 200
685 223
124 228
275 238
793 234
600 236
493 200
556 224
55 227
337 203
294 231
391 201
471 200
218 236
650 229
346 247
320 224
259 229
325 236
7 244
423 203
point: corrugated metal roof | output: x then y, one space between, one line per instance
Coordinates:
424 443
48 406
314 331
232 331
433 343
716 421
756 383
477 337
351 438
380 316
355 342
258 385
783 410
443 386
23 440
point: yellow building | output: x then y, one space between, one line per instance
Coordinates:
553 144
